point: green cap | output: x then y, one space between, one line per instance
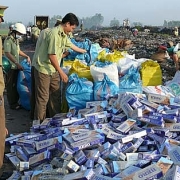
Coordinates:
2 9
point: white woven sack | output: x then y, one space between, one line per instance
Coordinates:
110 70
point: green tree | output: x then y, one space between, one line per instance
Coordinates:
53 20
165 23
94 21
98 18
114 22
137 24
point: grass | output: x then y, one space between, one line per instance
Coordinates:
4 32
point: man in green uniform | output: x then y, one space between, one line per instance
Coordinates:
47 70
2 111
40 40
13 52
35 32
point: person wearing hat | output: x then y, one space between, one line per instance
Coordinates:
135 32
175 31
13 52
35 32
173 55
2 9
10 29
3 129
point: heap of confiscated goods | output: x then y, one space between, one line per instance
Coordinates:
123 123
127 136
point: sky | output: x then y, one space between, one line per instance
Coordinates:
147 12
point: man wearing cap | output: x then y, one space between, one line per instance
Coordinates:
58 22
35 32
2 111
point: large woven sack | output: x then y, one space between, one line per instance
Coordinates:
110 70
151 73
82 70
24 85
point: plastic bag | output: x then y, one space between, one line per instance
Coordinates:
125 63
81 70
24 85
109 69
174 84
131 82
176 48
112 57
151 73
78 92
161 90
175 88
90 56
81 44
176 78
104 88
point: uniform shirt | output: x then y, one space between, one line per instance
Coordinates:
1 74
11 45
36 31
33 30
70 35
40 40
55 41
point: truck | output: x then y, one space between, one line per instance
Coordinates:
42 22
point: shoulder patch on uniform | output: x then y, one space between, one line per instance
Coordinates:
8 38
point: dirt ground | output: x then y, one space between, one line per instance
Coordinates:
17 121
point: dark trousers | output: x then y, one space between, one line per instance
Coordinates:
47 94
32 100
11 87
